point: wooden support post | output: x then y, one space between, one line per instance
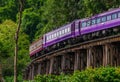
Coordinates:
89 57
77 59
39 68
59 58
32 71
83 59
57 65
51 65
63 63
47 66
36 67
107 55
115 54
42 68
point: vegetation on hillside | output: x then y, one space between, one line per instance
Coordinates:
39 17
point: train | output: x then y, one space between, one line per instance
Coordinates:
100 25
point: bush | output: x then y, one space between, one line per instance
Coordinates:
11 78
102 74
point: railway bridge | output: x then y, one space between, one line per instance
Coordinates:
93 53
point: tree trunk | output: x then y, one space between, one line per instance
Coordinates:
16 39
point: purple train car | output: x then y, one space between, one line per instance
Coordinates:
101 21
58 35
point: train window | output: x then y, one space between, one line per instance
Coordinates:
63 31
83 24
98 20
104 19
108 17
60 32
93 21
66 30
88 23
55 34
119 14
48 38
114 16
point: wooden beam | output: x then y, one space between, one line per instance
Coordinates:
63 63
77 59
51 65
47 66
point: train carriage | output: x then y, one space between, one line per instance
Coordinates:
101 21
36 47
58 35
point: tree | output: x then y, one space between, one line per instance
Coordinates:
7 30
8 10
16 39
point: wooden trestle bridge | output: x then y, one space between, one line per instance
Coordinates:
94 53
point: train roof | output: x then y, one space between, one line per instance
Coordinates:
61 27
57 29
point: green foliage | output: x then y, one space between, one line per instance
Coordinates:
11 78
52 78
7 31
23 53
102 74
8 10
30 20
